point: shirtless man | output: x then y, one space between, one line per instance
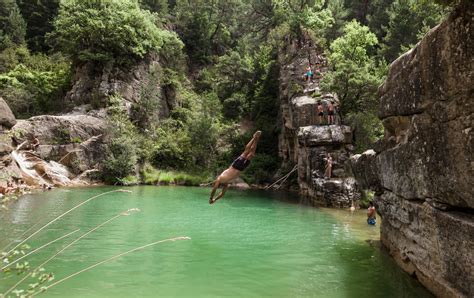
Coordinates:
328 172
371 219
237 166
320 112
331 113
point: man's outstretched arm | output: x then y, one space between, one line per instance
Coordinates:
224 189
214 188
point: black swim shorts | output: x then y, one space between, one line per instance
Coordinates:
240 163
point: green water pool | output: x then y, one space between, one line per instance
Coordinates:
250 244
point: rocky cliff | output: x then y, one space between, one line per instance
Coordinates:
304 140
423 170
93 84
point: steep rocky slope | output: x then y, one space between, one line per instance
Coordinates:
304 141
423 170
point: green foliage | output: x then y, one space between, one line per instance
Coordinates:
36 83
157 6
408 21
106 31
12 25
159 177
39 15
367 129
207 28
354 76
122 150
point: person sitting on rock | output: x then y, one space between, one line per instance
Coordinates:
35 143
10 188
371 219
237 166
331 113
320 112
328 171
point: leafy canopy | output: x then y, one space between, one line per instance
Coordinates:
355 76
106 30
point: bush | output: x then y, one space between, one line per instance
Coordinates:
106 31
367 129
121 160
36 83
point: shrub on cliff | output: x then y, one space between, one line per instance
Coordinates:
106 31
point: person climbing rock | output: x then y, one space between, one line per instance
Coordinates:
371 219
320 112
331 113
239 164
328 172
309 74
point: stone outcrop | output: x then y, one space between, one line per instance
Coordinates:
423 170
7 119
93 84
314 143
77 141
305 142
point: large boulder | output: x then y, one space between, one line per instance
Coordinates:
7 119
77 141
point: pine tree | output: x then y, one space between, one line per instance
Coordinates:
12 25
39 15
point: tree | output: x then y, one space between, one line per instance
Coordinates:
106 31
12 25
158 6
340 15
408 21
207 28
39 16
354 76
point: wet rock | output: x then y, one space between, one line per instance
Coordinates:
7 119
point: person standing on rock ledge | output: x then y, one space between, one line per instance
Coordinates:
371 219
239 164
328 172
320 112
331 113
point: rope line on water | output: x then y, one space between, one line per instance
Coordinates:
283 178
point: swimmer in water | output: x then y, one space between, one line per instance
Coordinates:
237 166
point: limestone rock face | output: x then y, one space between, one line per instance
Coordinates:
423 170
364 168
92 84
78 141
315 142
306 139
7 119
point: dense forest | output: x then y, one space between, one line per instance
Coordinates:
218 57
